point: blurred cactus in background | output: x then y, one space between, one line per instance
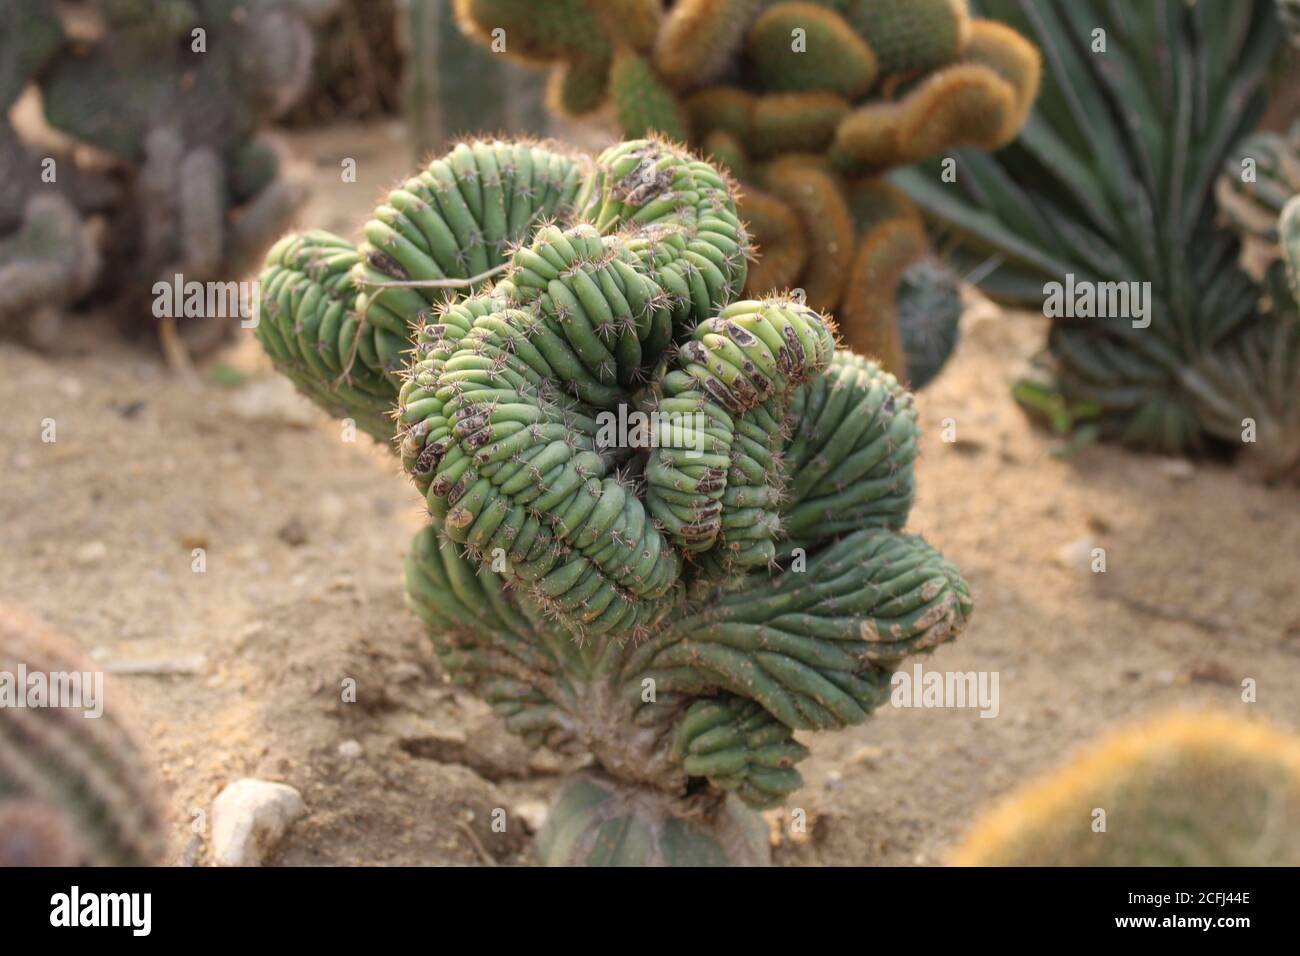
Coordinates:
74 789
676 602
1112 183
1181 790
155 107
454 87
1259 175
806 103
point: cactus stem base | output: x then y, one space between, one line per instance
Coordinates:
599 821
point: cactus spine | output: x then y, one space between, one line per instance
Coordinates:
623 595
1179 790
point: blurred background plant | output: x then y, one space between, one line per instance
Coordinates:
807 103
138 151
1112 181
1195 789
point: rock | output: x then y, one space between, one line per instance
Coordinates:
92 552
350 749
293 532
1077 555
866 754
1179 469
533 813
249 818
272 400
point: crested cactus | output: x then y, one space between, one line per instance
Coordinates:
795 98
1180 790
172 94
74 789
677 599
1092 200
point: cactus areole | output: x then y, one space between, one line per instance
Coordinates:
676 602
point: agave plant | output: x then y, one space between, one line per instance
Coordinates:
1112 182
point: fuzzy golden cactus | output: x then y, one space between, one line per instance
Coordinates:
1180 790
861 85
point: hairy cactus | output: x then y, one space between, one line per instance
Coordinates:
795 98
1090 199
171 93
74 790
675 599
1180 790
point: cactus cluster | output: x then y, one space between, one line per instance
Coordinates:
1110 188
74 788
675 600
159 103
807 103
1180 790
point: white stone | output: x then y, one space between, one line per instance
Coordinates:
350 749
249 818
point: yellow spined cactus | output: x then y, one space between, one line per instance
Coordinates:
912 35
635 22
1011 57
779 235
576 89
1188 789
892 239
817 196
641 102
721 108
828 55
699 38
724 148
795 122
964 105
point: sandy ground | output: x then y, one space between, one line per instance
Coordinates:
303 535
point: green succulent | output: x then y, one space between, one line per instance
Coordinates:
1111 183
675 602
175 91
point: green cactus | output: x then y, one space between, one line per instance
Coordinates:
175 90
1289 12
911 36
850 84
596 822
50 260
1180 790
31 34
73 791
641 101
1259 175
901 304
1089 195
835 59
1289 241
623 594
